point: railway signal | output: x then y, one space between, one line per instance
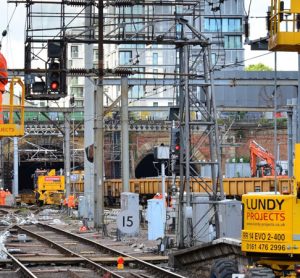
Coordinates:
175 142
53 77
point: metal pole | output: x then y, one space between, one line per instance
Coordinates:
187 127
99 132
214 106
67 152
125 133
294 122
298 103
290 143
73 158
275 121
15 189
1 163
163 191
180 237
189 224
89 101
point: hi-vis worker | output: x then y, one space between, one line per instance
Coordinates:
7 193
3 81
2 197
159 196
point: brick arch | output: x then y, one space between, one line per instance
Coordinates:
147 149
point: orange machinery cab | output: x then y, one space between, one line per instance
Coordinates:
13 110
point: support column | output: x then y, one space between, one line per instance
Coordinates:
297 131
290 143
1 163
125 133
15 189
99 132
294 121
98 159
89 101
67 153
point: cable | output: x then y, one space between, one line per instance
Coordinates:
4 32
249 8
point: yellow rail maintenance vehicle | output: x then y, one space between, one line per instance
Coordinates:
49 187
271 230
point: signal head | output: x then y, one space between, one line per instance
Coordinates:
54 86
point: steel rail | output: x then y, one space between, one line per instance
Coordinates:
151 267
93 265
25 271
160 272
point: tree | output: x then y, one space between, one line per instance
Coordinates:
258 67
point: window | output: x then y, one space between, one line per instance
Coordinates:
232 42
155 104
74 51
95 54
140 72
133 10
213 59
74 81
155 58
136 92
79 103
178 30
170 103
155 71
131 26
125 57
224 25
77 92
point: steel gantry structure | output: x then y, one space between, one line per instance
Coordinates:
176 26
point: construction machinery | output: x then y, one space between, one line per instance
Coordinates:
270 239
49 187
266 166
271 228
12 110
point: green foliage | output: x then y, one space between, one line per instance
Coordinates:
282 122
258 67
262 122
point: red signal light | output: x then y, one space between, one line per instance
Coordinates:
120 260
54 85
177 148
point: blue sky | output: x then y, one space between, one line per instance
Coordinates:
13 43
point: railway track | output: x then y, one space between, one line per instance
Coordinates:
50 251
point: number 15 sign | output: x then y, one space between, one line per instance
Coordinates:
128 222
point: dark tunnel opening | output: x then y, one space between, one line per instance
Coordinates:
146 168
27 169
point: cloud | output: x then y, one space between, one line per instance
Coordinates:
13 42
